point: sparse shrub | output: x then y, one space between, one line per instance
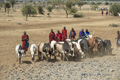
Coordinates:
33 11
99 3
94 7
49 8
80 4
115 8
106 3
114 25
28 10
73 10
68 5
12 3
7 7
78 15
40 10
92 3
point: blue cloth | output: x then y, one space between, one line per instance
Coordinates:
87 33
70 35
81 33
27 44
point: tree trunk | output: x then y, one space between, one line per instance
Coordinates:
5 9
80 7
66 14
26 16
8 12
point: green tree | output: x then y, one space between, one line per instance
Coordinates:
12 3
7 7
28 10
49 9
115 8
40 10
80 4
68 5
73 10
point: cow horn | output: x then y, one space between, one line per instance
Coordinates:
93 33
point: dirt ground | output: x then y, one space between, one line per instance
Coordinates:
38 29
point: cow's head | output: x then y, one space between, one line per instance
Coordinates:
71 50
90 36
47 50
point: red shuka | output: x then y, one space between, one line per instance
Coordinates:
51 37
24 42
58 37
64 35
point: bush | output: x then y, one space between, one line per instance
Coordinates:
7 6
78 15
69 4
106 3
92 3
73 10
49 8
33 11
40 10
28 10
99 3
12 2
94 7
114 25
115 8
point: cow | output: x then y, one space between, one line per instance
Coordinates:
101 48
33 50
84 46
77 54
119 14
19 52
44 50
62 48
93 42
107 45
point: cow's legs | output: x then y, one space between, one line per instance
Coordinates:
20 58
39 54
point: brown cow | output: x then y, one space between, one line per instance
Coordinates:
44 49
93 42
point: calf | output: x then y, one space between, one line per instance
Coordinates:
19 52
107 45
44 50
33 50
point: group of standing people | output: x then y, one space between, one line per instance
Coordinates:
107 11
63 36
59 36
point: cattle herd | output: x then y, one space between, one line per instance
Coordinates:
86 46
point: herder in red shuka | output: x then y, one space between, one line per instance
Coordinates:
58 36
25 39
64 34
51 36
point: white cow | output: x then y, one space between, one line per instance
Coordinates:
19 52
33 50
119 14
